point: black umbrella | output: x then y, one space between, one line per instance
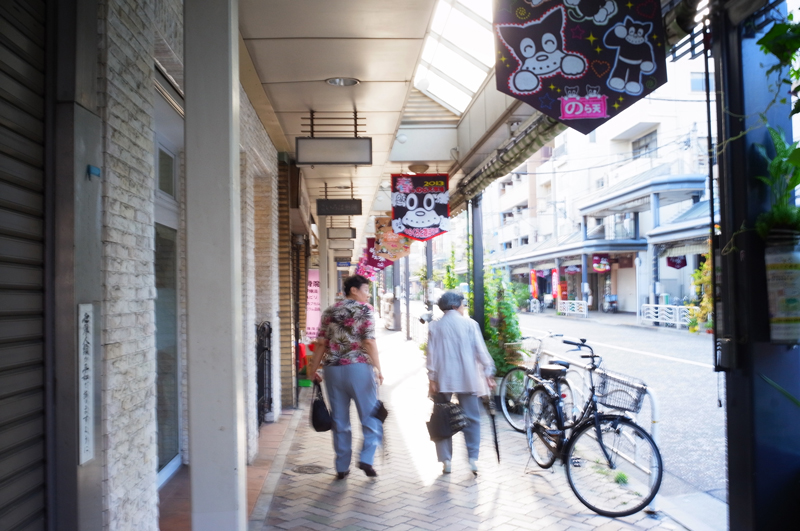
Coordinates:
488 401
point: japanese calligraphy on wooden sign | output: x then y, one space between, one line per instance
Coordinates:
579 61
420 205
86 382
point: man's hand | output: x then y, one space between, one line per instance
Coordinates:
490 381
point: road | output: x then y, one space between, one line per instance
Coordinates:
677 367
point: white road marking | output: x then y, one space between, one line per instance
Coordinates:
634 351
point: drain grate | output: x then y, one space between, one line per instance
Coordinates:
309 469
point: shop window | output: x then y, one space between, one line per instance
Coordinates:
166 171
645 146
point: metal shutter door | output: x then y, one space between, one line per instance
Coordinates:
22 420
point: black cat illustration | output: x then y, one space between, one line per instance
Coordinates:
538 46
572 92
634 55
599 11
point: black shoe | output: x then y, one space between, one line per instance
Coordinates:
368 470
342 475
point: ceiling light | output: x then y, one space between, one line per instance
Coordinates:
342 81
418 168
402 138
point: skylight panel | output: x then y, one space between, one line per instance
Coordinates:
469 36
442 89
458 68
483 8
429 51
440 17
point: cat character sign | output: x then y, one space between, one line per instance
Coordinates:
420 205
579 61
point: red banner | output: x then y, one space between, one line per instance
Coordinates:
601 263
420 205
534 284
372 259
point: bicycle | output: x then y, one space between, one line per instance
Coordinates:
517 383
612 464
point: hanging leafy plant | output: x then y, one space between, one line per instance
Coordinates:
783 178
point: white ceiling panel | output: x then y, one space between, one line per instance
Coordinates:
290 60
375 123
387 19
341 172
319 96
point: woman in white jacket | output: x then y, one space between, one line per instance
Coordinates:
459 363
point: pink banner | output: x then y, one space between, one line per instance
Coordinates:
312 305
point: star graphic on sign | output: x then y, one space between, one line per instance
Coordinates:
654 36
658 44
616 105
546 101
598 49
552 87
577 32
621 98
630 5
591 38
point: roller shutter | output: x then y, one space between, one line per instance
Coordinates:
22 418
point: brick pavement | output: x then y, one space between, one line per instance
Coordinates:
411 492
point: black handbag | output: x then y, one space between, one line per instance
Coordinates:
320 416
380 412
447 418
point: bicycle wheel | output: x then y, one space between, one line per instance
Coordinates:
540 414
629 482
512 397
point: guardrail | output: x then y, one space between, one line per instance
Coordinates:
573 308
419 331
582 371
677 316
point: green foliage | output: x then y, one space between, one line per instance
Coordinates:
501 310
521 292
621 478
450 280
783 178
701 281
783 41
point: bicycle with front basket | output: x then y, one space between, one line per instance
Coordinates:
612 464
517 383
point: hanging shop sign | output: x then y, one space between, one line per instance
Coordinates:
371 257
676 262
579 61
388 244
338 207
420 205
534 284
313 310
601 263
572 270
554 284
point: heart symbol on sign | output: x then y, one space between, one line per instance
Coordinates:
600 68
647 9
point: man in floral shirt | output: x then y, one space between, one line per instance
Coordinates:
349 354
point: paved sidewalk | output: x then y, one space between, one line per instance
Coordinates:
411 492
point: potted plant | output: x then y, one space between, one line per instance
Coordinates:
781 223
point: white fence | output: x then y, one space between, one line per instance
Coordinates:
573 308
677 316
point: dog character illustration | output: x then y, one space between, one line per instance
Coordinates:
538 47
634 55
592 91
421 212
598 11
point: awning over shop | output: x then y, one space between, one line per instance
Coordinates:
689 248
520 270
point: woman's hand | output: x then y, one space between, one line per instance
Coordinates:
433 388
490 381
317 377
380 377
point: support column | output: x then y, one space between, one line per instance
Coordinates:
585 276
655 209
397 323
407 289
213 245
763 426
322 223
429 275
478 312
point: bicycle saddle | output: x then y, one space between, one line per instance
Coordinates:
552 372
564 364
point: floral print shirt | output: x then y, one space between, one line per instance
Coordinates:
345 325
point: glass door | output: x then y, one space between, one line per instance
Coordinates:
167 360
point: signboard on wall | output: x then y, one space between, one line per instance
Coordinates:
86 382
313 309
389 244
420 205
581 62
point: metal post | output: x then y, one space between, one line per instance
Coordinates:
477 262
655 208
429 275
585 278
406 288
396 308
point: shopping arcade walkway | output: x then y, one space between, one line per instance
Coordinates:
411 492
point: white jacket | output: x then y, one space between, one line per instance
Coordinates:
457 357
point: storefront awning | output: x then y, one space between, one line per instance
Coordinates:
520 270
685 249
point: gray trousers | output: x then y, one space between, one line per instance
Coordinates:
353 382
472 431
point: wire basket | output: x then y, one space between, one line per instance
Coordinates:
618 391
